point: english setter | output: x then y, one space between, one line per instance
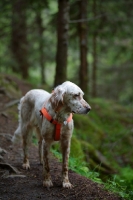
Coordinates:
51 116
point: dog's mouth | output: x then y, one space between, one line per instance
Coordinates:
84 111
73 112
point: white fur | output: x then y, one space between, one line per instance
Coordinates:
65 99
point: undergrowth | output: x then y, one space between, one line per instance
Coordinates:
104 136
115 184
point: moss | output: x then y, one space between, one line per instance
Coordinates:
86 129
10 87
94 159
76 149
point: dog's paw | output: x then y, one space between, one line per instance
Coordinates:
26 166
67 185
47 183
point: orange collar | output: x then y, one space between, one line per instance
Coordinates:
45 113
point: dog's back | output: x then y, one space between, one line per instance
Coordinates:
29 104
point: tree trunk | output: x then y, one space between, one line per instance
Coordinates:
19 45
62 42
41 45
94 64
83 70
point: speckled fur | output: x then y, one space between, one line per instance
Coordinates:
65 99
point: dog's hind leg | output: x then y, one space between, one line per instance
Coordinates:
17 135
26 134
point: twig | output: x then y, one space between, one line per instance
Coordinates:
12 103
9 167
63 195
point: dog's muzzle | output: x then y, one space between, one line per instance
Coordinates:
88 109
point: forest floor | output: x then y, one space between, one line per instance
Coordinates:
19 184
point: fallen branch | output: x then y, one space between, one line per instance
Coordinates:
9 167
12 103
15 176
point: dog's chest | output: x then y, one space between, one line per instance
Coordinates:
48 129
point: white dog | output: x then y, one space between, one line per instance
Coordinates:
51 115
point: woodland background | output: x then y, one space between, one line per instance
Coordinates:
90 43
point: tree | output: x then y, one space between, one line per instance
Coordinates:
41 44
62 42
83 70
19 43
94 53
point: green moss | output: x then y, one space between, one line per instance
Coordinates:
86 129
108 127
76 149
10 87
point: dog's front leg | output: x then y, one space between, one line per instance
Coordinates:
39 144
65 145
46 170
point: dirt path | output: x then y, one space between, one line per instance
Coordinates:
28 184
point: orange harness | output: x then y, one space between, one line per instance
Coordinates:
45 113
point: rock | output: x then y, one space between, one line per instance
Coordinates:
7 136
2 151
1 159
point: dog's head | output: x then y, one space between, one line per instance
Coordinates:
69 96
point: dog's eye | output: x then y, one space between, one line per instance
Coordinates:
76 95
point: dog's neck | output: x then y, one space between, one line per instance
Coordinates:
61 115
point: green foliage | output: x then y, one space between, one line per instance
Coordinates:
121 184
75 165
90 130
115 186
113 44
126 174
76 149
34 139
106 130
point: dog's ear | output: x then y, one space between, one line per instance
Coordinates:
56 98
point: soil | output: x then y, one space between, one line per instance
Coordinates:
27 185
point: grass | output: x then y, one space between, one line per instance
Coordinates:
116 185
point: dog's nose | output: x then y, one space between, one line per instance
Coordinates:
88 108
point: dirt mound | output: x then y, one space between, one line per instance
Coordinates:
16 183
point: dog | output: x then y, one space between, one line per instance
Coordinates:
51 116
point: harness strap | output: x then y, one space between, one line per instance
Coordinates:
45 113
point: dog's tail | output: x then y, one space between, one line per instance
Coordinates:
17 134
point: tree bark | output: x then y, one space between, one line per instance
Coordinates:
41 45
19 44
94 64
62 42
83 70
